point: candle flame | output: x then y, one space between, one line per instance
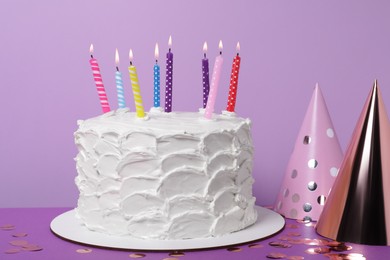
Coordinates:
220 45
131 55
156 54
238 47
170 41
205 47
116 57
91 49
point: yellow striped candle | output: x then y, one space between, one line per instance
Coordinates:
139 108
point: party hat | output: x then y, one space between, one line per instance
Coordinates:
313 165
358 207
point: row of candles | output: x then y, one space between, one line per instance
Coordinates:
209 90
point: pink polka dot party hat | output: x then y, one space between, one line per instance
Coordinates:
313 164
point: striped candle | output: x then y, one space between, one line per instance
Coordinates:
205 76
119 83
99 82
156 77
214 84
139 108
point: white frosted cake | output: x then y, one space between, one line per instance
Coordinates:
170 176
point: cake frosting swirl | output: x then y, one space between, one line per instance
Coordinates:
169 176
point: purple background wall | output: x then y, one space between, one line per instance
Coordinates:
286 47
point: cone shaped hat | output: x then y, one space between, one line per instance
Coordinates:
358 207
313 164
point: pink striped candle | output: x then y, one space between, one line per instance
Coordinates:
214 84
99 82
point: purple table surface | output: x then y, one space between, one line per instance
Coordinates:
34 223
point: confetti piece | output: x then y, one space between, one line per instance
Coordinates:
293 234
32 248
255 246
234 249
279 244
295 257
20 235
84 250
176 254
341 248
171 258
7 227
19 242
322 250
311 251
12 251
276 255
137 255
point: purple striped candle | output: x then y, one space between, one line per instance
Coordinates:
99 82
205 76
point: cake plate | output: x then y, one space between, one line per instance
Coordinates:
68 227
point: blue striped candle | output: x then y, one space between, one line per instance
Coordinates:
156 78
119 83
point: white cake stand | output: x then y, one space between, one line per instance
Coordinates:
69 227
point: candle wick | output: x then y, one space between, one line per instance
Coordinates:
238 54
220 53
131 63
91 56
117 69
204 54
169 49
156 61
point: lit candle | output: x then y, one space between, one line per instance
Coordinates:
99 82
135 86
168 78
214 83
119 83
205 75
156 69
231 103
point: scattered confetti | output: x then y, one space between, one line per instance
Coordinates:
7 227
18 242
234 249
322 250
84 250
279 244
276 255
31 247
12 251
293 234
20 235
137 255
295 257
255 246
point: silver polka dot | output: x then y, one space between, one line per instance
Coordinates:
295 197
312 163
312 185
334 171
330 132
321 200
293 213
286 192
307 207
306 140
294 174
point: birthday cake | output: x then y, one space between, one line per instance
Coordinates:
168 176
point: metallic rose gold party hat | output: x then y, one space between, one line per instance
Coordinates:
358 207
313 164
